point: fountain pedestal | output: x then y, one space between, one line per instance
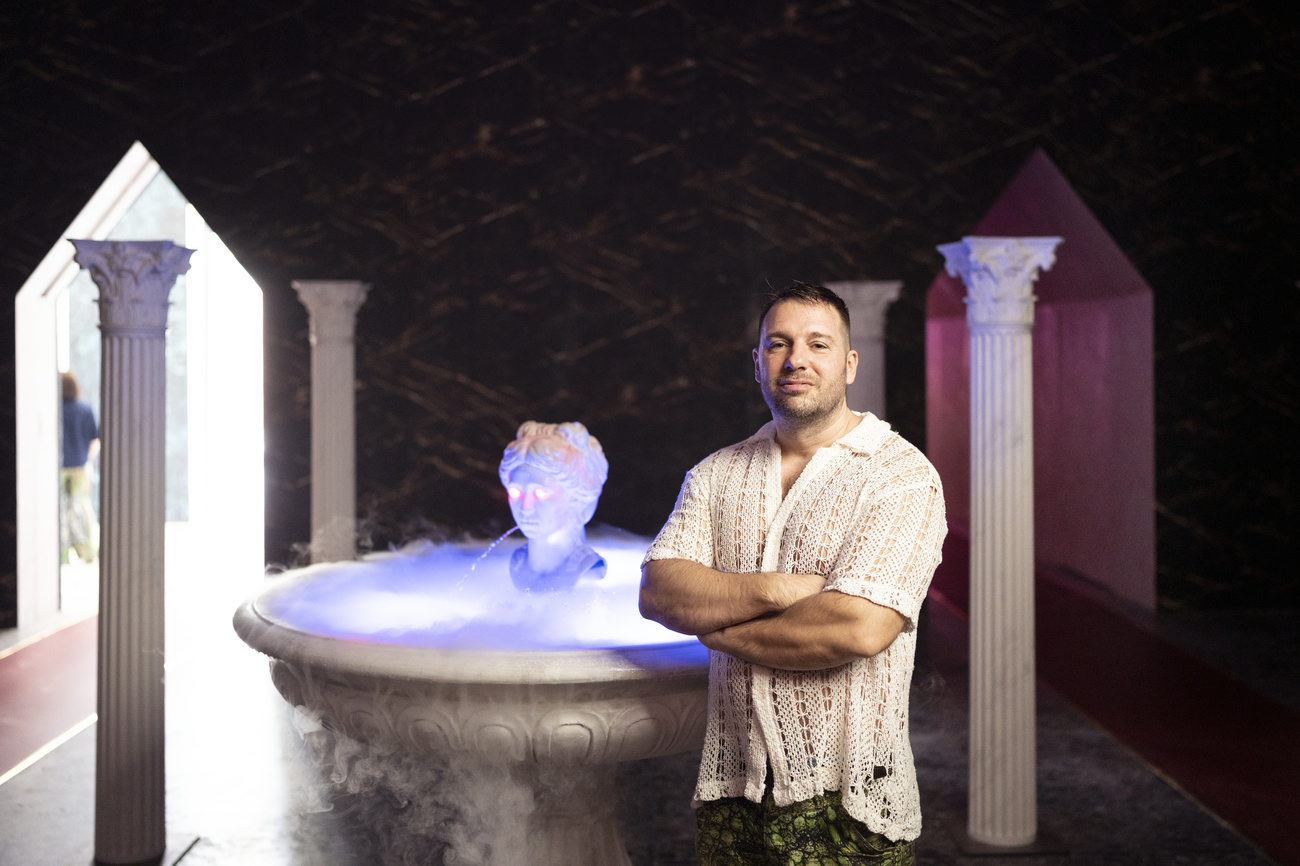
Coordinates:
560 740
573 823
552 717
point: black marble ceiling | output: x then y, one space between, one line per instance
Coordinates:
567 209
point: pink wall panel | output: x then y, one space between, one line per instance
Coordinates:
1094 442
947 411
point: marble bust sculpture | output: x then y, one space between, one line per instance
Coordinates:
553 475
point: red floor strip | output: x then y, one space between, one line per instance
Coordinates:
45 689
1234 749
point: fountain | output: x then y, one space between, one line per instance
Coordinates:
519 660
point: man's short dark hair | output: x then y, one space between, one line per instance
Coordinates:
807 293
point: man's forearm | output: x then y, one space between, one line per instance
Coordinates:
821 631
694 599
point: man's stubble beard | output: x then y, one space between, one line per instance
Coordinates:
807 413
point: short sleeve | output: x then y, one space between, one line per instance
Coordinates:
688 534
892 556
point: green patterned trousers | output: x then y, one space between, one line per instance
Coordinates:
814 832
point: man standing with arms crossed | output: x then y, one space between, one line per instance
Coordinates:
800 557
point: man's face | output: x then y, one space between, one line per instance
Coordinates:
803 362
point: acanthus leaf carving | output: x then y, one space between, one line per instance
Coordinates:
999 274
868 301
332 307
134 280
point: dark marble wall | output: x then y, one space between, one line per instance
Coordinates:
567 210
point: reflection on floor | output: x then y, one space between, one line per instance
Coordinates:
237 771
47 687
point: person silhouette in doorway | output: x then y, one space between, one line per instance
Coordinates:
78 527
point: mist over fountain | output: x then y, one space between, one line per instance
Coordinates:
489 690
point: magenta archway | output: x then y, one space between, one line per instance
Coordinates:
1094 391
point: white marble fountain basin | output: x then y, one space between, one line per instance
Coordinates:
416 651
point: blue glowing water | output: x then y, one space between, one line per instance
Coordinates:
452 596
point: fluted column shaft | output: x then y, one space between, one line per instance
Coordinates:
1003 793
134 280
332 315
868 301
999 274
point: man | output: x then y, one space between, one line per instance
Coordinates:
800 557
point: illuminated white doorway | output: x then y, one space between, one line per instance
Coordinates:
215 466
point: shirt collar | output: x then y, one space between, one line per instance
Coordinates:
863 439
867 436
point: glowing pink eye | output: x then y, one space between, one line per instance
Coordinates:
542 493
514 492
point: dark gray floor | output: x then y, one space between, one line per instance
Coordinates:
238 780
1104 805
1094 796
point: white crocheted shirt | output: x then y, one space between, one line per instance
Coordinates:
867 513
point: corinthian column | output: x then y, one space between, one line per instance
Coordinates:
332 315
867 301
999 274
134 279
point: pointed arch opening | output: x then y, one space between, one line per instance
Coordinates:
215 479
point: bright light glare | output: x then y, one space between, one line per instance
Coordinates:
225 404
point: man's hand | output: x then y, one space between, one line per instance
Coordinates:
820 631
693 599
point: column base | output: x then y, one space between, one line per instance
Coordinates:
1045 845
178 845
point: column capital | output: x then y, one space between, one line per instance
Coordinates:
331 307
134 280
999 274
867 301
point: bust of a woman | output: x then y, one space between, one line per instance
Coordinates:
553 474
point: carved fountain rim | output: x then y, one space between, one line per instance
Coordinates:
676 661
